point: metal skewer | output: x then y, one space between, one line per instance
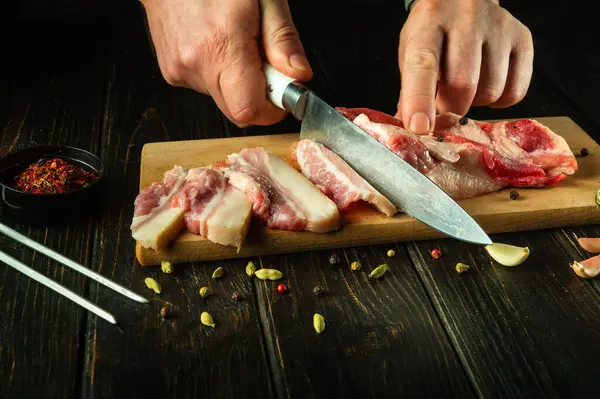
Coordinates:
56 287
69 263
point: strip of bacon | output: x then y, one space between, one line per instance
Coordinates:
335 178
477 157
281 196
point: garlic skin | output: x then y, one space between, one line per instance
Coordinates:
584 272
508 255
591 245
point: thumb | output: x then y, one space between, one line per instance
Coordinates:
281 42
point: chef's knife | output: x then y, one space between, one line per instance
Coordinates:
408 189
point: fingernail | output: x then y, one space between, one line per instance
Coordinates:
419 123
300 62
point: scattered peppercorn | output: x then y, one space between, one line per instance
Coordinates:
461 268
281 288
514 195
236 296
436 253
584 152
354 266
318 291
334 259
464 120
164 312
440 138
391 253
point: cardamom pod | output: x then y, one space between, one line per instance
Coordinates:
250 269
218 272
204 291
268 274
207 319
319 323
354 266
153 284
166 267
379 271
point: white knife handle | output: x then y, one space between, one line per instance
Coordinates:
285 92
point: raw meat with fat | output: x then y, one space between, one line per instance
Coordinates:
155 222
335 178
476 157
214 208
281 196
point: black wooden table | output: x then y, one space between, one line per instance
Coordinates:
423 331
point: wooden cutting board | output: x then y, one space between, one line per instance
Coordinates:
570 203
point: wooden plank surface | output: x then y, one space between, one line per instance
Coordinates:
569 203
41 348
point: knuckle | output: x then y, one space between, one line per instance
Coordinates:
282 33
463 82
173 72
514 95
428 6
242 114
187 59
489 95
423 59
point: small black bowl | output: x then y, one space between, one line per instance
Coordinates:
42 208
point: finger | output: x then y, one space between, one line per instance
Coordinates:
243 86
419 65
460 72
494 71
519 73
281 41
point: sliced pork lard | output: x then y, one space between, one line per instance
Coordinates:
281 196
155 222
213 208
336 179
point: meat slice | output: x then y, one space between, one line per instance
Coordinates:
335 178
475 158
213 208
155 222
281 196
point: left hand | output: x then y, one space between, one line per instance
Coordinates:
473 52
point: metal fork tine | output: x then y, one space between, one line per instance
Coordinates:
70 263
12 262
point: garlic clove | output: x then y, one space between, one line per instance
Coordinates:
588 268
508 255
591 245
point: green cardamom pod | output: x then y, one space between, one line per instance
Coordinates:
207 319
319 323
166 267
268 274
379 271
250 269
153 285
218 272
204 291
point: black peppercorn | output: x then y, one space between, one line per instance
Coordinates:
318 291
514 195
334 259
236 296
464 120
584 152
440 138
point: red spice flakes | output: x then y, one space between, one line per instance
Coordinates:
436 253
281 288
53 176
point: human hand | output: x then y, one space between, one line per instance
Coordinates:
212 46
472 51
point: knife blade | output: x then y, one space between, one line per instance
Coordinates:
408 189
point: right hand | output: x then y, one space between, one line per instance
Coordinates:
211 46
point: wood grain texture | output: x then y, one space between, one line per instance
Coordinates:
41 331
145 356
569 203
382 338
